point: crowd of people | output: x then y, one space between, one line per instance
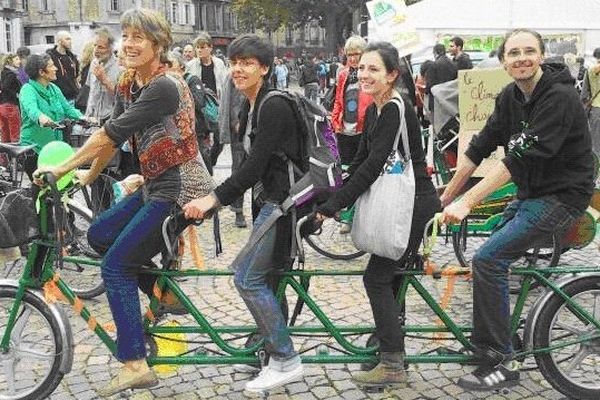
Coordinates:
146 100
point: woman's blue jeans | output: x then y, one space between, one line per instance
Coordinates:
129 235
251 282
525 223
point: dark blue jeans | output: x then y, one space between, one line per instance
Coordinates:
129 235
251 281
525 223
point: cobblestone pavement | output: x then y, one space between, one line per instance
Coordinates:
342 298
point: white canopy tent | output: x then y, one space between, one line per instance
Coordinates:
433 18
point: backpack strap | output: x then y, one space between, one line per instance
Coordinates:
286 207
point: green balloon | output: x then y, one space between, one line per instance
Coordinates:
54 154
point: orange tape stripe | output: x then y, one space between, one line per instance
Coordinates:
78 305
92 323
156 291
150 314
196 250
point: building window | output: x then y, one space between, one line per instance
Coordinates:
173 12
187 12
44 5
25 5
227 19
211 17
113 5
49 39
8 28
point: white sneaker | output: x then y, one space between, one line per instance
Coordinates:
270 378
245 368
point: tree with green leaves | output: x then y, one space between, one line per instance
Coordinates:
266 15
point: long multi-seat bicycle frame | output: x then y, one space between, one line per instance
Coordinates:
39 272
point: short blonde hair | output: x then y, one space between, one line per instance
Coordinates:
203 38
152 23
355 43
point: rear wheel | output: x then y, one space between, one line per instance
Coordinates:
30 369
572 370
333 240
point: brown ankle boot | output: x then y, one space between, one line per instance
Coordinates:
129 378
389 371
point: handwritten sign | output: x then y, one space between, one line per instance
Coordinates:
390 23
477 92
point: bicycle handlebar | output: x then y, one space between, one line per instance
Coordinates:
429 242
67 123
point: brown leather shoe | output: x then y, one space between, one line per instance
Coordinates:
129 379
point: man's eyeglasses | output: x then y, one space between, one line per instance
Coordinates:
353 55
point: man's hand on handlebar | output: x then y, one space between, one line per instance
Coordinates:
200 208
455 212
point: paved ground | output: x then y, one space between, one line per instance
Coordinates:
342 298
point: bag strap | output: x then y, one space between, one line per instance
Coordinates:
402 129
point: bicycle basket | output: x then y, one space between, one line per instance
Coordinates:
18 219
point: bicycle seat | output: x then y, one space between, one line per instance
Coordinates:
14 149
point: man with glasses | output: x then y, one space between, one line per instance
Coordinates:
541 124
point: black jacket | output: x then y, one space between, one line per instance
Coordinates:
9 87
463 61
277 132
374 148
66 76
442 70
546 139
309 74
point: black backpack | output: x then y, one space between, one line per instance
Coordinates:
319 172
206 106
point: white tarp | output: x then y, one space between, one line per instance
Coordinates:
494 17
506 14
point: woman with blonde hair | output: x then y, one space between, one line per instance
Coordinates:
87 55
154 112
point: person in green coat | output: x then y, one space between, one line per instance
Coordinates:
42 103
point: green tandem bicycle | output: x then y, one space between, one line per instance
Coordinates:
561 331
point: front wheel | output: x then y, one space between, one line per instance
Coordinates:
30 368
572 370
333 240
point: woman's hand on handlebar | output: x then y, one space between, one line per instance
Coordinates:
44 121
39 175
200 208
320 217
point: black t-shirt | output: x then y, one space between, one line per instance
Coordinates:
208 77
375 146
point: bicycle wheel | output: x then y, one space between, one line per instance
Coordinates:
31 367
85 280
332 243
572 370
86 203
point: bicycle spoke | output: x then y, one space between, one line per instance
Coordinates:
20 324
579 357
37 354
596 312
568 328
9 373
